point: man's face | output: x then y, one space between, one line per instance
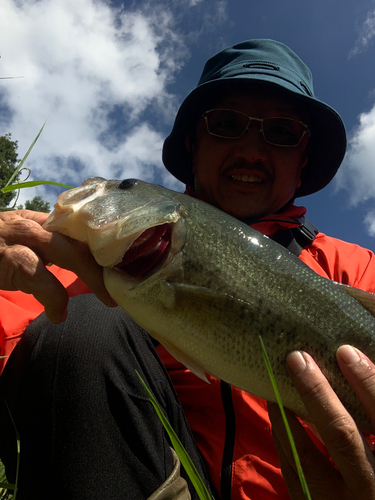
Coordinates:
248 177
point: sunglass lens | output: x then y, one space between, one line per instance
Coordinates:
226 123
282 131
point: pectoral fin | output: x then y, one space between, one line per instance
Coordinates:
220 310
205 300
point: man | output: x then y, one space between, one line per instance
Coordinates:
249 140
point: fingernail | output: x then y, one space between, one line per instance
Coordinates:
296 362
349 354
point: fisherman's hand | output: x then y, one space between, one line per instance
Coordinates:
26 248
353 477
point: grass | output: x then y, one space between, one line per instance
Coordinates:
9 491
5 493
18 185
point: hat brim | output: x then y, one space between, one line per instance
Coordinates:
328 136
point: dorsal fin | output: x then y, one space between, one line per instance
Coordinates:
367 299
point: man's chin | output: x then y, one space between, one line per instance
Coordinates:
245 214
245 209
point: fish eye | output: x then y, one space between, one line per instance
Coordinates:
127 183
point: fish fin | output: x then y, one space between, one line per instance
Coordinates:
201 305
186 361
214 305
367 299
200 295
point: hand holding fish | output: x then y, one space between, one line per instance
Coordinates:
25 249
354 476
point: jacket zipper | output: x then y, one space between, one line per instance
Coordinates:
230 436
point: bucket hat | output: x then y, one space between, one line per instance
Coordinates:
274 64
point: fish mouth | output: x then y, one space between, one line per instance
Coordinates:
148 252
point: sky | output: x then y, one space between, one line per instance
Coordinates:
108 77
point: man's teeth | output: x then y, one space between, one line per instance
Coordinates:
246 178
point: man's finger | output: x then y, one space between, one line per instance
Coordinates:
289 473
76 257
317 469
21 269
359 371
337 428
57 249
39 217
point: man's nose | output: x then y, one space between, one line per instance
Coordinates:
251 146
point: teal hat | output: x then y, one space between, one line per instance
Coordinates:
270 63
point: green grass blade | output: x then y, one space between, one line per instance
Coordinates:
25 157
286 423
18 453
179 448
28 184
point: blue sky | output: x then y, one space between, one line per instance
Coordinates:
109 76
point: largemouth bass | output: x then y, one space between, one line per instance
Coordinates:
206 286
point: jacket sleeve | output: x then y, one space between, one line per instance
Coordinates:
340 261
18 309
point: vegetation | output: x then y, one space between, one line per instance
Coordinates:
37 204
9 163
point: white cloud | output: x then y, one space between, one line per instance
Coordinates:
357 173
101 76
82 61
370 222
366 33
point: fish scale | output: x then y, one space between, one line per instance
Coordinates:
221 285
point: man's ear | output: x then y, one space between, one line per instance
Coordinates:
189 144
304 160
305 157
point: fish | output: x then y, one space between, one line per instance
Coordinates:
207 287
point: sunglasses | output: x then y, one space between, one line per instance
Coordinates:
279 131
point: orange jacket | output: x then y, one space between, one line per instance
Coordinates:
18 309
255 471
